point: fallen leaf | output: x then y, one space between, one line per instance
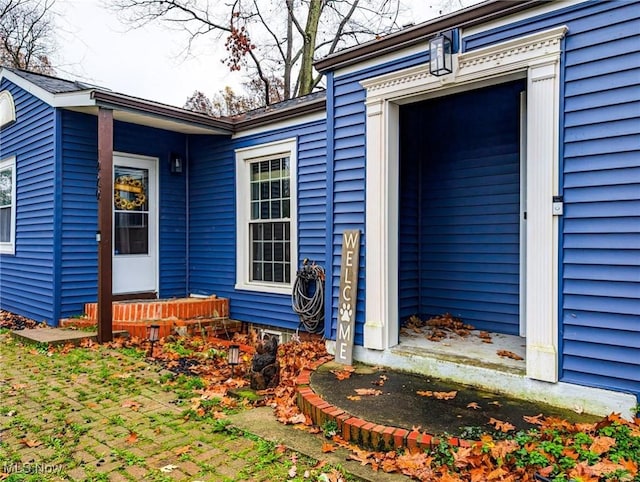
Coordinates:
509 354
473 405
299 418
133 405
537 420
496 403
354 398
132 438
341 374
500 425
438 395
293 471
328 448
168 468
368 391
31 443
445 395
182 450
19 386
602 444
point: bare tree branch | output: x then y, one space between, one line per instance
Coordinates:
27 34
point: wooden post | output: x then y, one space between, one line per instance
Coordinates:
105 220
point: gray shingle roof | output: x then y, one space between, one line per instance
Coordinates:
53 85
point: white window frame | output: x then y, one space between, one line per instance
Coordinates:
244 158
10 247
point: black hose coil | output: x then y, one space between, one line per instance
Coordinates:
307 299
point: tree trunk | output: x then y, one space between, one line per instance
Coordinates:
305 78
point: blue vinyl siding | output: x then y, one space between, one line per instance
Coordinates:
79 223
26 279
213 219
460 204
600 259
348 175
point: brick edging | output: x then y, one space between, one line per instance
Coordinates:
356 430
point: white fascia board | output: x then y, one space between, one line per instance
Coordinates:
517 17
71 99
292 122
74 99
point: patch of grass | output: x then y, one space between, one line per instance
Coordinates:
128 457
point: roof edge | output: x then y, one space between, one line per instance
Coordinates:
316 105
410 36
112 99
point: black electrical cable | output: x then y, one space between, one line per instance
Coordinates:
307 299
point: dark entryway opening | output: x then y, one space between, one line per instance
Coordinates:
460 207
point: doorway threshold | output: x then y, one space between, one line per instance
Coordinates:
493 351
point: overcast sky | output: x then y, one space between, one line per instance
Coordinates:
149 62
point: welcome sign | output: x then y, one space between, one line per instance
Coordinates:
348 296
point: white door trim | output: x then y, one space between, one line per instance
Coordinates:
145 162
536 57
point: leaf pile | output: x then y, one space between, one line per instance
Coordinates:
438 327
10 321
605 451
294 357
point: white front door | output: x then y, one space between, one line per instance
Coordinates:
135 224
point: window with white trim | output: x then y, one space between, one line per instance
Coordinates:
7 205
267 230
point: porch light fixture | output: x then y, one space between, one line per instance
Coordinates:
233 357
440 58
153 335
176 163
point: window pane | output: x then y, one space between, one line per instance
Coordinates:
268 272
257 231
257 272
285 188
286 213
275 189
278 273
278 231
131 233
268 231
255 210
257 251
264 210
268 252
278 251
130 189
255 191
5 225
275 209
255 171
275 168
264 190
5 187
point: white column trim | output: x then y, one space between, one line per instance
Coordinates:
535 57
